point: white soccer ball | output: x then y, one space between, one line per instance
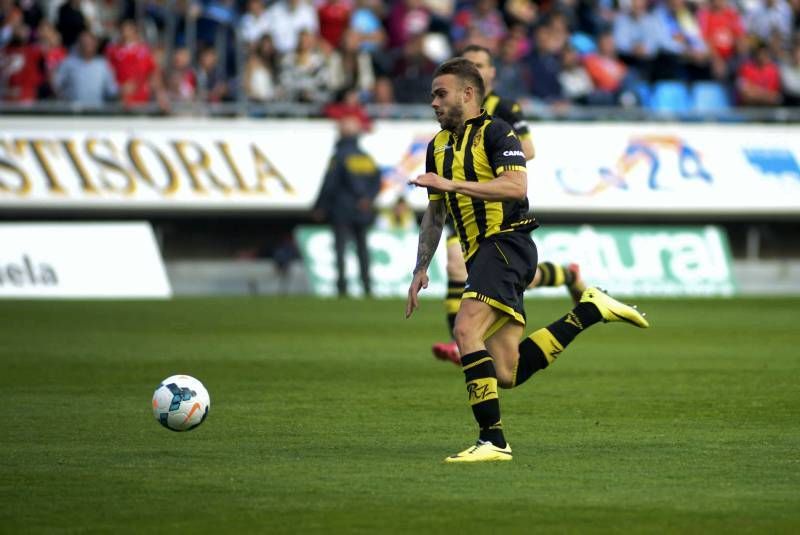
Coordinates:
181 403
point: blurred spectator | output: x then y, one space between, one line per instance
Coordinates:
32 14
520 38
71 22
509 80
261 72
721 27
347 104
384 91
288 18
559 30
84 77
212 86
484 19
134 66
609 74
334 17
181 80
304 73
412 73
352 67
790 77
366 23
20 65
795 7
682 51
544 66
109 13
441 12
10 17
770 17
576 84
635 37
521 12
255 23
407 19
758 80
49 42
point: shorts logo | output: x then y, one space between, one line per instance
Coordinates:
513 153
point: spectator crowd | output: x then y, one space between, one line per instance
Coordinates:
344 53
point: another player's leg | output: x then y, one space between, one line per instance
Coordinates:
549 274
456 277
542 347
473 320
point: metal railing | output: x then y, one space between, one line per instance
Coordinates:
243 108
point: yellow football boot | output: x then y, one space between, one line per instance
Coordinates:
613 310
481 452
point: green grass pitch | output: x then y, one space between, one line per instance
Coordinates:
331 416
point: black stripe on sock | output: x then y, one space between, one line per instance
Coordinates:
531 360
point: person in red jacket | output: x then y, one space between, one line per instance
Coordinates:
759 80
134 66
20 67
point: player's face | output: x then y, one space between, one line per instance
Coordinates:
447 100
483 63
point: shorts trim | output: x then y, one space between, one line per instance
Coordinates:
496 326
516 316
453 239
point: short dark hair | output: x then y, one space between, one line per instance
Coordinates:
478 48
464 70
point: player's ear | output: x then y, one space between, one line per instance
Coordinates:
469 93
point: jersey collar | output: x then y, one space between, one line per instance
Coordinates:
478 119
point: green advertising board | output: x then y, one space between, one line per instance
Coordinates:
393 256
625 260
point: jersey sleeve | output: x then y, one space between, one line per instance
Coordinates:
511 113
430 167
503 148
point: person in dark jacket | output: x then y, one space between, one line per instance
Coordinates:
347 198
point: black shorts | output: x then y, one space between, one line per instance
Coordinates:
500 270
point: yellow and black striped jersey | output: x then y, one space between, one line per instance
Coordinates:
487 149
509 111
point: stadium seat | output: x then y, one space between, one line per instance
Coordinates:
709 97
643 92
670 96
582 43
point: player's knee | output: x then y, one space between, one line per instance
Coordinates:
466 337
505 379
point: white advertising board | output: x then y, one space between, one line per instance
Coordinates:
278 165
81 260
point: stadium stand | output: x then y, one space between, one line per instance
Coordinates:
230 52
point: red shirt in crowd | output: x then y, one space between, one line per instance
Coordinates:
721 29
334 17
606 73
133 64
53 57
22 72
765 76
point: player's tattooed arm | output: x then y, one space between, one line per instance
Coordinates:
429 233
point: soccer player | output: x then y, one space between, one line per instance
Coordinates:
475 171
547 274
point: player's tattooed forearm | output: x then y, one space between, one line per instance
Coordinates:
429 233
